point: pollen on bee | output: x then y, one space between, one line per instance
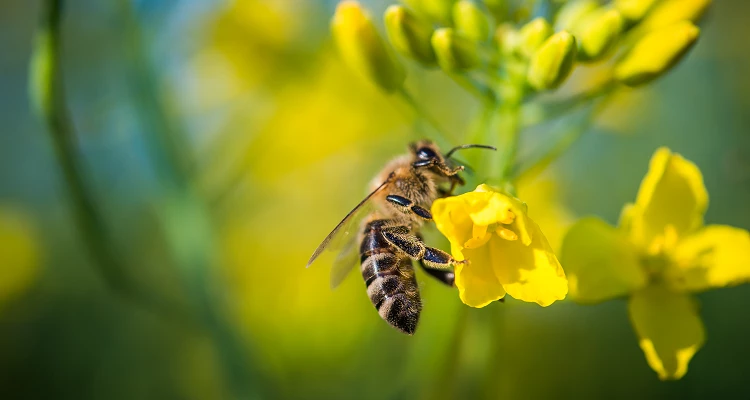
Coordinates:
506 233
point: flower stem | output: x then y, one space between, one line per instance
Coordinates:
509 118
47 90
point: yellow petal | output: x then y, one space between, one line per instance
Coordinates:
715 256
600 262
671 194
452 220
487 208
529 273
669 329
362 47
476 282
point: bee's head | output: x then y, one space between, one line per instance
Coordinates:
427 154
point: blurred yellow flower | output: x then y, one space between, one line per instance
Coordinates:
19 256
656 53
659 256
362 47
507 251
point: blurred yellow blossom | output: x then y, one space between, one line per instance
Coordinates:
19 255
362 47
656 53
633 10
659 256
507 251
454 52
532 35
554 61
472 20
669 12
409 35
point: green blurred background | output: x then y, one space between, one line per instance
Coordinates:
281 140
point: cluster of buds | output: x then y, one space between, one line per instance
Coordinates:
539 43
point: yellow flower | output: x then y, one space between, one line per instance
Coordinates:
660 254
507 251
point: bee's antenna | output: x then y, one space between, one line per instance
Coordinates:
468 146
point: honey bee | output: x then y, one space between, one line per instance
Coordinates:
387 224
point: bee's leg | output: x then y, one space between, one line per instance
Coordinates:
446 276
414 247
448 171
408 206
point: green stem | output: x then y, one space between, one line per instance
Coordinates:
48 91
509 117
187 222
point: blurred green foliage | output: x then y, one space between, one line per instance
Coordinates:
281 140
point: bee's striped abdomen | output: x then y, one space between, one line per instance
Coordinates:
390 280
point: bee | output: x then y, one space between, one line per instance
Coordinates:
386 225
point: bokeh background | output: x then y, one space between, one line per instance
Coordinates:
281 140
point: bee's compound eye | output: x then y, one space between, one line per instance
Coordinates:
426 153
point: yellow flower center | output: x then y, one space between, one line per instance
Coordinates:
655 265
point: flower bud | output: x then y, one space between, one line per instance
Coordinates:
532 35
598 34
454 52
553 61
633 10
472 20
669 12
409 35
656 53
574 12
363 49
437 10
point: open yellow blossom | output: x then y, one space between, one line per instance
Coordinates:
660 254
507 251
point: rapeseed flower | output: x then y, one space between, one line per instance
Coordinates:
659 256
507 251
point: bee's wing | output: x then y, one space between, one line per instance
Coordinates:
345 261
344 234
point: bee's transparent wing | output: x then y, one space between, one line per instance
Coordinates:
345 260
343 237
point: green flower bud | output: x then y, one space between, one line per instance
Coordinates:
633 10
598 34
454 52
437 10
553 62
363 49
573 13
410 35
472 20
656 53
532 35
669 12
